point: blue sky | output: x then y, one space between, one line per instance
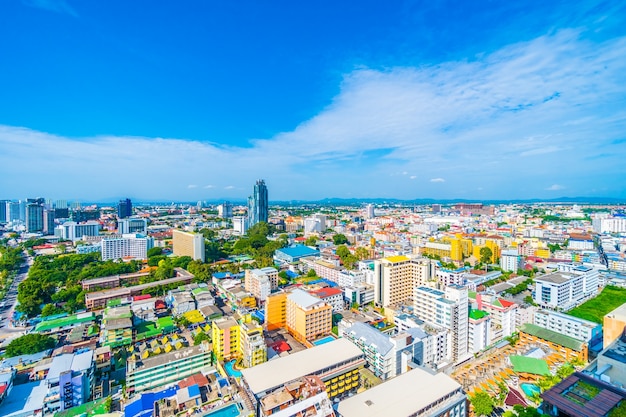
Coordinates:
196 100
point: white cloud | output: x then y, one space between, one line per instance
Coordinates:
229 187
555 187
208 186
557 102
192 186
413 177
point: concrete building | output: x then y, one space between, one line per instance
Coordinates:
130 246
261 282
124 208
166 368
359 294
225 210
388 356
478 331
614 324
307 317
304 396
132 225
502 314
566 288
332 296
447 309
511 260
76 231
294 253
583 330
414 394
238 338
48 222
240 225
396 277
336 363
609 225
34 217
69 381
188 244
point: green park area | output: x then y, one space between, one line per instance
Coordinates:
595 309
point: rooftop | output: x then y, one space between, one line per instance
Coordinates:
396 397
552 336
370 336
554 278
298 251
397 259
272 374
523 364
303 298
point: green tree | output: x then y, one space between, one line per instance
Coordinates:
340 239
29 344
361 253
164 270
155 251
50 310
311 241
482 403
342 251
485 255
349 261
200 337
311 273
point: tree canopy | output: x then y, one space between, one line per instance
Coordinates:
482 403
485 255
340 239
29 344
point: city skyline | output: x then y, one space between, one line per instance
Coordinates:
448 101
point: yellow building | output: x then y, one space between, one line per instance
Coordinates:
613 325
542 253
188 244
276 311
495 250
396 277
307 317
239 338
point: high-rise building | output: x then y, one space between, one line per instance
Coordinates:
3 211
261 282
448 309
240 225
369 211
188 244
34 217
75 231
124 208
395 277
48 221
132 225
13 211
134 246
258 204
225 210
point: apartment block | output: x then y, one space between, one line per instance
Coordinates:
307 317
502 313
447 309
130 246
478 331
614 324
511 260
387 356
583 330
76 231
261 282
566 288
166 368
304 396
188 244
396 277
238 338
332 296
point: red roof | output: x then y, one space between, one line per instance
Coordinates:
505 303
514 397
326 292
281 346
141 297
195 379
158 304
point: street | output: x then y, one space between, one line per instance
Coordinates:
7 330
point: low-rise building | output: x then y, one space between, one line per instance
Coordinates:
304 396
583 330
413 394
572 349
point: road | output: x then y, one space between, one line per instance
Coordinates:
7 330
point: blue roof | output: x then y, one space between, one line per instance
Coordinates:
194 390
145 404
299 251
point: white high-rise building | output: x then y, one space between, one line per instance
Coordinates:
240 225
75 231
132 225
609 225
129 246
567 287
369 211
511 260
448 309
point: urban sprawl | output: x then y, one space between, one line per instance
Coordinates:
313 310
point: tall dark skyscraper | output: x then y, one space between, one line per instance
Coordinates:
124 209
258 204
34 217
